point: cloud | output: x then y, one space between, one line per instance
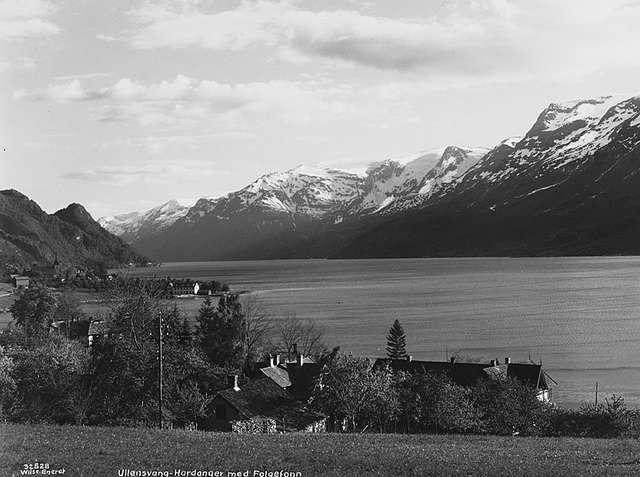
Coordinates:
350 36
460 38
20 19
18 64
107 38
153 172
184 100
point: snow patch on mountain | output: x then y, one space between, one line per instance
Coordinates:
588 110
130 226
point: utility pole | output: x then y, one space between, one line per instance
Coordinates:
160 370
596 393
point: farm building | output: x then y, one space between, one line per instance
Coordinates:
20 281
468 374
179 290
299 375
262 406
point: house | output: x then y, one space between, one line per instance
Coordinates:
20 281
469 374
179 290
262 406
298 375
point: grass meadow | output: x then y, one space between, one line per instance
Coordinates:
88 451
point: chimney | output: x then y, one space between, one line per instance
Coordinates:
295 350
300 359
277 360
235 383
452 360
271 361
409 357
507 360
492 363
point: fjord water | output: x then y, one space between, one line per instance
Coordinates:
580 316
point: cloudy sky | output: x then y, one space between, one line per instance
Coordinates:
123 104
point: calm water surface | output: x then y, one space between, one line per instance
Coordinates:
580 316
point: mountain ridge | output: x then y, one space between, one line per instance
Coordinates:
70 236
572 153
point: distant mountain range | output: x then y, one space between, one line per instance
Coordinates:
29 236
570 185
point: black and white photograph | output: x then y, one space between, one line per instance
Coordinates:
298 238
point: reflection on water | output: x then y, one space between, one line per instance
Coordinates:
580 316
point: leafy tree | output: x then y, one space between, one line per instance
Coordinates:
509 406
356 398
7 384
124 366
454 410
396 342
51 384
33 311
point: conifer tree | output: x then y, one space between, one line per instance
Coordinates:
396 342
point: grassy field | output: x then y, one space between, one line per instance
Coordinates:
103 451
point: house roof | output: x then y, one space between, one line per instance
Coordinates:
303 378
278 374
256 397
468 374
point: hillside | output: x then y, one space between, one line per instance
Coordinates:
104 451
29 235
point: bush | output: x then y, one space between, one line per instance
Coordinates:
609 419
50 383
455 412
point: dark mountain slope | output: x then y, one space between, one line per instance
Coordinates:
29 235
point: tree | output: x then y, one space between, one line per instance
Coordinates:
257 328
33 311
396 342
51 384
306 337
124 366
7 384
68 310
356 398
221 333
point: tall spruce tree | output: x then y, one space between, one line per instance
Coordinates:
221 331
396 342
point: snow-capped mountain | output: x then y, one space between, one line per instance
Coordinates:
302 191
526 195
563 137
570 186
133 225
422 183
307 193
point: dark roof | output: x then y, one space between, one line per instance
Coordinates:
468 374
256 397
304 378
279 375
531 374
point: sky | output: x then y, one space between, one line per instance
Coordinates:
121 105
